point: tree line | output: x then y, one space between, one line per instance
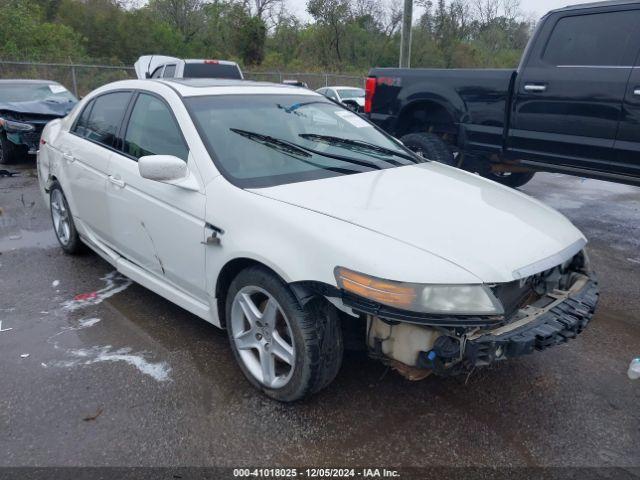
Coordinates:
341 35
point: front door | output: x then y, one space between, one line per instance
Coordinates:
86 150
569 94
157 226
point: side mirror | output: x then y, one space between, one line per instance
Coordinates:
167 169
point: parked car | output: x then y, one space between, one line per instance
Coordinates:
25 107
572 106
351 97
295 83
160 66
272 212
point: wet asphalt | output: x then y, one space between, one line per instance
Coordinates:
125 378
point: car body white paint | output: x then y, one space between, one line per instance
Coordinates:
428 223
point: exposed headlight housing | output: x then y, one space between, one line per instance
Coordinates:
476 299
13 126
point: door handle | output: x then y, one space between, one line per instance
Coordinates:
535 87
68 157
116 181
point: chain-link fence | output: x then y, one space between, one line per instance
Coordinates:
82 78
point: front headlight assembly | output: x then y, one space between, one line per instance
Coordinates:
476 299
13 126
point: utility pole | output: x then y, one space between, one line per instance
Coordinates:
405 39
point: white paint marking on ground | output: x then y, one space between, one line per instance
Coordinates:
87 356
4 329
88 322
55 283
115 283
24 355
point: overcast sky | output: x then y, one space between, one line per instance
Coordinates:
535 7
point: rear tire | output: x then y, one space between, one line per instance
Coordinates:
429 146
310 335
62 220
510 179
9 151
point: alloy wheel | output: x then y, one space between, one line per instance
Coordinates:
263 337
60 216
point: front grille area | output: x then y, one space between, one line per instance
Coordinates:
520 293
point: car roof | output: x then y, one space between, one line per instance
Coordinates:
191 87
608 3
27 81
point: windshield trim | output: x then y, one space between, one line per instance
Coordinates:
283 179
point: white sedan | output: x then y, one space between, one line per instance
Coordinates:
272 212
350 97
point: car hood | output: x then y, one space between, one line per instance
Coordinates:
495 233
54 109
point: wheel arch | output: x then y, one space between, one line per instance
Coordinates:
304 291
426 115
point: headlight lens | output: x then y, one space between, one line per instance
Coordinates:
13 126
422 298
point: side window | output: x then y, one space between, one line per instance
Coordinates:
157 72
595 39
169 71
81 125
152 130
106 116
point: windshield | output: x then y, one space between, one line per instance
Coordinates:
267 140
26 93
350 92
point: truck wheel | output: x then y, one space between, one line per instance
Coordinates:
510 179
429 146
9 151
285 349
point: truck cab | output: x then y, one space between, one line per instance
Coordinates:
572 105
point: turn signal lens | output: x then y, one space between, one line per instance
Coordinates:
395 294
423 298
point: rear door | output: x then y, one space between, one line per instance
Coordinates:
628 140
159 227
569 94
86 152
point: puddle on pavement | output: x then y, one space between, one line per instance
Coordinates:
28 239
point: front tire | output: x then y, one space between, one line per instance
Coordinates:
285 349
62 220
429 146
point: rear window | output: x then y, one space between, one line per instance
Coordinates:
169 71
599 39
211 70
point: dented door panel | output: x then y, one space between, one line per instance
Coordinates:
157 226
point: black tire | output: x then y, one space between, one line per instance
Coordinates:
71 243
9 151
316 336
430 146
510 179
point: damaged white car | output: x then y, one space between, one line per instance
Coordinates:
288 220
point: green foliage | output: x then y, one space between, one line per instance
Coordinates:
344 35
25 34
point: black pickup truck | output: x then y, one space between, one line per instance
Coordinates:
572 105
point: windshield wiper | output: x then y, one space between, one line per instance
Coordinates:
281 145
348 142
292 148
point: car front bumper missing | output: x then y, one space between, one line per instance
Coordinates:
448 349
